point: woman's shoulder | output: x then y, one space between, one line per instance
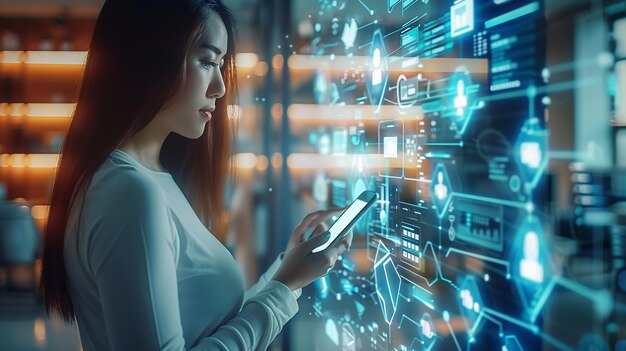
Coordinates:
117 182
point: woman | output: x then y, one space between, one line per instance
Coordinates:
128 255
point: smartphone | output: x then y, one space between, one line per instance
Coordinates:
348 218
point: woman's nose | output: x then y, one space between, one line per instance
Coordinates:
216 88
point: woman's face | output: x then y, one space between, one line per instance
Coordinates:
187 112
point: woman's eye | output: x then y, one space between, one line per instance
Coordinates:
209 64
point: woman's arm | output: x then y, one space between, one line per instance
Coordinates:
132 259
265 278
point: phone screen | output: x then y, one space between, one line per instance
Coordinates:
344 220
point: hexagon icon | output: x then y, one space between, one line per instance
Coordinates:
470 303
387 282
461 101
531 151
440 189
530 262
378 73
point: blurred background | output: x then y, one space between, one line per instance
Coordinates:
310 125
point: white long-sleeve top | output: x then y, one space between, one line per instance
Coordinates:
145 274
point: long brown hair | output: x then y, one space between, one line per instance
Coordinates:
134 65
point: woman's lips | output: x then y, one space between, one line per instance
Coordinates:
206 114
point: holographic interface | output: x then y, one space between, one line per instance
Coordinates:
444 116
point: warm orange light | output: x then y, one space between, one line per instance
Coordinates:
56 57
40 211
50 110
16 109
278 61
246 60
277 160
245 160
16 161
261 68
29 160
277 110
39 331
4 160
37 110
12 56
43 160
261 164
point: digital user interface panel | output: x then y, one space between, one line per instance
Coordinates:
439 107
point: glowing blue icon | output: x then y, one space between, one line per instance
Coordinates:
462 17
322 287
470 302
349 33
377 75
324 144
325 91
511 344
462 101
530 268
320 88
409 37
531 150
348 338
320 188
391 148
530 261
340 141
360 309
379 71
391 4
358 188
387 282
331 331
530 153
426 327
410 90
440 189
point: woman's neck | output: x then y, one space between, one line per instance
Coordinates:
145 147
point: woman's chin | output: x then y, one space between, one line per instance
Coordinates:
195 134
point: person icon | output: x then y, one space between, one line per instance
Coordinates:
441 190
460 101
530 267
466 299
377 74
427 329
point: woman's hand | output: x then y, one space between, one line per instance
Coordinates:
316 220
300 266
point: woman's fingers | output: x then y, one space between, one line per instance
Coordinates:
347 240
315 218
329 258
320 228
